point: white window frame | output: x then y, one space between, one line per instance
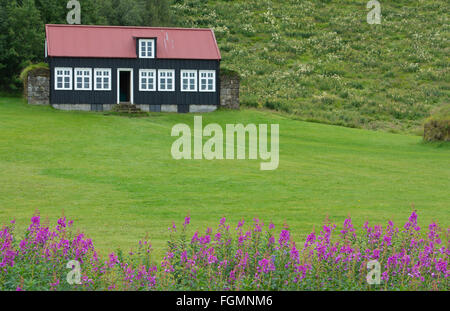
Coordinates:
145 54
102 84
63 69
207 78
155 79
160 71
188 82
82 77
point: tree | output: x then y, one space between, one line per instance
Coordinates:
122 12
156 13
55 11
22 34
22 30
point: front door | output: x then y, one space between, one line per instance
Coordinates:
125 86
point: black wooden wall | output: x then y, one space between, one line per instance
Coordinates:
141 98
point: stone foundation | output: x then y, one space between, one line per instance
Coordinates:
75 107
202 108
169 108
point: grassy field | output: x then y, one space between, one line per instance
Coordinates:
115 176
321 60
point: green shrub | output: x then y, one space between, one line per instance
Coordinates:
437 127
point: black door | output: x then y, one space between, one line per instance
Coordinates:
124 91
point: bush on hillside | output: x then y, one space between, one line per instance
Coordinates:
437 127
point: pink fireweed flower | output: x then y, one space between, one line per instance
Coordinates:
232 276
418 258
386 241
240 224
184 256
310 239
212 259
54 285
36 220
348 228
61 224
173 228
285 237
265 266
195 238
412 223
257 225
205 239
294 253
222 266
217 237
113 260
301 270
223 221
187 220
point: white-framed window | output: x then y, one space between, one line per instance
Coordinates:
63 78
166 80
83 79
146 48
102 79
207 80
147 80
189 80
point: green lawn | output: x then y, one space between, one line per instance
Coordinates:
116 178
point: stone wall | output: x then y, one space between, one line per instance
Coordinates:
229 90
37 88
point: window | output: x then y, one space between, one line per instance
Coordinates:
83 79
63 78
147 80
102 79
147 48
166 80
189 80
207 80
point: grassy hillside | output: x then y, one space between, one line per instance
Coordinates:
321 60
116 178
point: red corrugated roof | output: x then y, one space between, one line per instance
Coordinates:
120 42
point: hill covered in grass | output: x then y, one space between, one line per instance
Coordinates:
322 61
